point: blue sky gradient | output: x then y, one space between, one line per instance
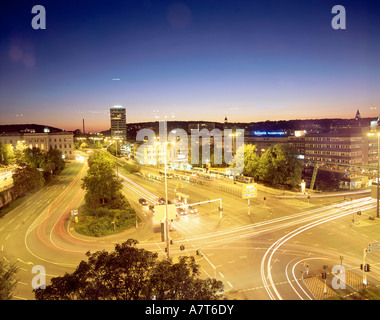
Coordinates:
187 60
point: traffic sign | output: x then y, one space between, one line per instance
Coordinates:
249 191
373 247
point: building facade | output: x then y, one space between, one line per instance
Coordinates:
345 146
62 141
118 122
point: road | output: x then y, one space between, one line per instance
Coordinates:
258 256
6 180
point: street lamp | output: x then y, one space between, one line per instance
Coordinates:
378 169
117 166
166 198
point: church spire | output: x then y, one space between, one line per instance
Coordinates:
357 116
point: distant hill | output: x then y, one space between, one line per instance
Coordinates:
37 128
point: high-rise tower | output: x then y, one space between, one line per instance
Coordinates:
118 122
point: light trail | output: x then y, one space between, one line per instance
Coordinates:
136 188
256 229
270 285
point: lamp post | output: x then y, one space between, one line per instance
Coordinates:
166 197
166 202
117 165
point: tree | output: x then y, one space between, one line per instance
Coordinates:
129 273
96 145
266 166
35 157
101 157
101 181
7 280
6 153
19 153
54 157
287 166
327 181
27 179
113 150
279 165
251 161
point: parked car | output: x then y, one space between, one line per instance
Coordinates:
143 201
161 200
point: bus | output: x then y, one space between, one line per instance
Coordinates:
244 179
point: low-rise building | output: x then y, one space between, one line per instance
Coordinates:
62 141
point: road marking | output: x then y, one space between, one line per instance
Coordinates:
18 259
7 236
221 274
230 284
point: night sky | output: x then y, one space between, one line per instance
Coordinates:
187 60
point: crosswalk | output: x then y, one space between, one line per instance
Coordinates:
318 289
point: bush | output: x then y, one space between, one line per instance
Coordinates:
99 221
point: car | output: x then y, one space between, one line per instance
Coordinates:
178 203
181 211
143 201
191 209
151 207
161 200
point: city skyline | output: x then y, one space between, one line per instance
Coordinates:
187 61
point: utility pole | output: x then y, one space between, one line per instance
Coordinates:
364 267
325 277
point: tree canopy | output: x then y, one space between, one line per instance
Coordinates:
6 153
7 280
277 165
101 181
130 273
27 179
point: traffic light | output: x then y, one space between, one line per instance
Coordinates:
324 275
361 266
367 267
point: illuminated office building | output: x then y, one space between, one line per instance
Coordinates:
118 122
